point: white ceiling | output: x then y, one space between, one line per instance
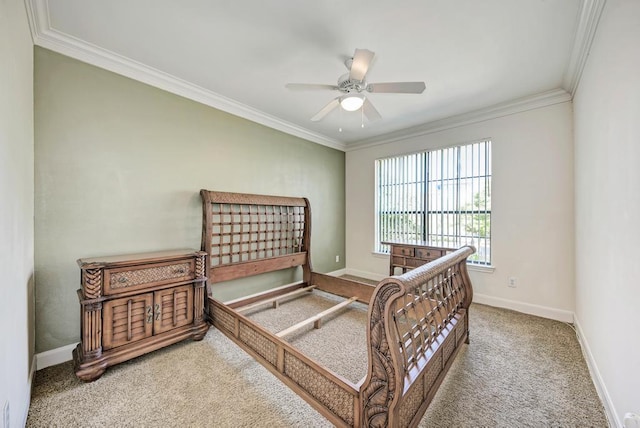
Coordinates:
476 57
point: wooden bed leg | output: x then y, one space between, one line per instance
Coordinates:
466 325
317 324
276 304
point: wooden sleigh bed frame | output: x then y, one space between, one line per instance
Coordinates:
417 321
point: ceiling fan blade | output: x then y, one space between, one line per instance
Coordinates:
309 87
361 61
326 109
370 111
397 87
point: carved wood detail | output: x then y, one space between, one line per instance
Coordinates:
200 265
91 329
92 283
249 199
198 302
381 386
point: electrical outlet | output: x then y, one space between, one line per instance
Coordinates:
337 259
512 281
6 418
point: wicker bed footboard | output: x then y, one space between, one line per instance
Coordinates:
417 322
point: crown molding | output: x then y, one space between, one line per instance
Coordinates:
543 99
588 19
47 37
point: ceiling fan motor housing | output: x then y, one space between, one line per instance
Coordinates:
347 85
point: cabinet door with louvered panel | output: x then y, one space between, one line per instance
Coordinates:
127 320
173 308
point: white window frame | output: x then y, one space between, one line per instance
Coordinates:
408 188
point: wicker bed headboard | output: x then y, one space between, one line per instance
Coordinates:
248 234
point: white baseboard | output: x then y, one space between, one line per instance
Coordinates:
609 408
338 272
54 356
527 308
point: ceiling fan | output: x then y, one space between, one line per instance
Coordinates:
353 84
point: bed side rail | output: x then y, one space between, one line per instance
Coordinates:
417 322
330 394
343 287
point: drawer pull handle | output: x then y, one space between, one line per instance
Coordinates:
149 314
180 270
157 312
122 279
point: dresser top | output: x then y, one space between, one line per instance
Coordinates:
417 244
127 259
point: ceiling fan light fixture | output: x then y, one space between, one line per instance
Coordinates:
352 86
352 102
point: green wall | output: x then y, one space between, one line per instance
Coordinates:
118 169
16 213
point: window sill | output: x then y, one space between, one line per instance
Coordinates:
480 268
470 266
379 255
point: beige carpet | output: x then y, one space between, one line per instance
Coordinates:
518 371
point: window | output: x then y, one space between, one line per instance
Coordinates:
442 197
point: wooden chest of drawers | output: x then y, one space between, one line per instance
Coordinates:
409 255
134 304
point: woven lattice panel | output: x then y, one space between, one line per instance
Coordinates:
433 369
449 347
461 327
223 319
241 233
411 403
259 343
332 396
132 278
